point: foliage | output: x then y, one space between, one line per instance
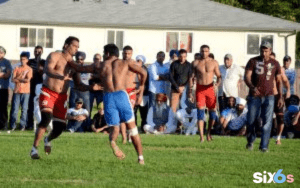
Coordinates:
285 9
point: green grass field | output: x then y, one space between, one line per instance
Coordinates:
86 160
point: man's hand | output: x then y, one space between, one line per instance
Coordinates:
181 89
191 98
80 118
280 103
255 91
139 100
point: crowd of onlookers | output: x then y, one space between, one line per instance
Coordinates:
165 107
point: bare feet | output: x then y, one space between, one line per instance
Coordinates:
124 141
141 162
278 142
201 140
209 137
117 152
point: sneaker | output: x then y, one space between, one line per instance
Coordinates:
47 146
70 130
249 147
34 153
264 150
23 129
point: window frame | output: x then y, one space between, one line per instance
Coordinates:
260 38
115 36
36 36
179 39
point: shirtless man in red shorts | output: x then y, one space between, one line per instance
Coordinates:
204 71
53 98
130 85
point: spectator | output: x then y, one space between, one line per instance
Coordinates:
158 83
37 64
290 73
231 77
77 116
161 118
234 118
180 72
292 114
188 117
21 77
174 54
197 56
76 93
97 93
99 123
211 56
5 73
144 106
261 71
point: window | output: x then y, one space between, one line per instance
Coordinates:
179 40
254 41
115 37
31 37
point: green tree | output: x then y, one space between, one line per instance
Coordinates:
285 9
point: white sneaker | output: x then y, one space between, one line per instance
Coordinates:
34 153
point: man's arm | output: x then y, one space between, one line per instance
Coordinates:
191 79
27 77
50 64
14 79
79 85
143 75
83 68
286 83
7 74
218 74
248 75
172 72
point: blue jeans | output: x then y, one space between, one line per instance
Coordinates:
260 107
98 95
19 98
76 125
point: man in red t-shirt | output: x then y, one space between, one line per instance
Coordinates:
260 73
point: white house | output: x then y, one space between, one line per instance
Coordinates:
148 26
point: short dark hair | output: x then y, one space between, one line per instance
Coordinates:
39 47
112 49
273 54
25 54
211 55
204 46
287 58
127 48
69 40
197 54
182 51
160 52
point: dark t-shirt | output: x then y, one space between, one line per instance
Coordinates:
37 77
98 121
180 74
263 74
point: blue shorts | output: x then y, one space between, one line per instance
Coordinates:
117 108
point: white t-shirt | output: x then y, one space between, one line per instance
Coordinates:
74 112
230 79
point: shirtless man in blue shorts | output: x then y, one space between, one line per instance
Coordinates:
117 108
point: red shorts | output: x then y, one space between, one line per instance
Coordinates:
57 102
205 96
132 96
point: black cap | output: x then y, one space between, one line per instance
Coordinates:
79 100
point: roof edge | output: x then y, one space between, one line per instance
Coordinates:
156 27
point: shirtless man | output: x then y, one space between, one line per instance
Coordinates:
130 85
53 97
279 111
117 108
204 70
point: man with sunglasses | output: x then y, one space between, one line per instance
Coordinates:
77 116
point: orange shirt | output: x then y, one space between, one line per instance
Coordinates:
22 72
